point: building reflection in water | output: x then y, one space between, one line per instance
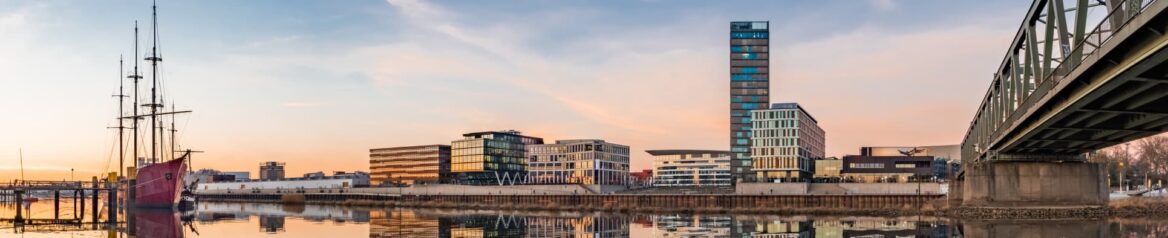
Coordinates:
271 224
225 220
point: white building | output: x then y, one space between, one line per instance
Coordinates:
578 162
338 180
785 141
691 168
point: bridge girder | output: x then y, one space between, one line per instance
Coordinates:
1099 87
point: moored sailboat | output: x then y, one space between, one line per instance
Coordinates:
157 180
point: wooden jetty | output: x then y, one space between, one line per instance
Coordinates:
19 191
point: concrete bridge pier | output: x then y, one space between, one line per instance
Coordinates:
1034 184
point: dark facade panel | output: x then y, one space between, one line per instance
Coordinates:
750 42
916 165
755 63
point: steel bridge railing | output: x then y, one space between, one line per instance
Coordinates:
992 115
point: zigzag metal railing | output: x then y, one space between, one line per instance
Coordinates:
1026 75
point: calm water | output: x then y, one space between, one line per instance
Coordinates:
270 220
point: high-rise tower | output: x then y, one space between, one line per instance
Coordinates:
749 87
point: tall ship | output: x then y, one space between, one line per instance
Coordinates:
156 177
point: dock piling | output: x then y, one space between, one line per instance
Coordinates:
19 202
56 204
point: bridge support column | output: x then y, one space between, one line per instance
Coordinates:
1031 184
954 196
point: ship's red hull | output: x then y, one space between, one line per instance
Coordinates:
160 185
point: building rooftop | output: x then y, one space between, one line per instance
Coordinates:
409 147
686 151
789 106
513 132
579 141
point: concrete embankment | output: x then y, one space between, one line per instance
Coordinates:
744 204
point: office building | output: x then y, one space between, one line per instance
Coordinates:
679 168
409 164
578 162
271 170
490 157
339 179
828 169
749 87
887 169
785 141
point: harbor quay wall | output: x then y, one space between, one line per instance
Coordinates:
638 202
574 189
436 189
837 188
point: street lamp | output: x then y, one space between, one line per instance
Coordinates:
1121 187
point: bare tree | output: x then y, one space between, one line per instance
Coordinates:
1153 151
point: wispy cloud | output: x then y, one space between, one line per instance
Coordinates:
301 104
884 5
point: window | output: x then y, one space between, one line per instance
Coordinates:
748 35
866 165
905 166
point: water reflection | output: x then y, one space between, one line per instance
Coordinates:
249 220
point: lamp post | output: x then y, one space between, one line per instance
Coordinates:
1121 187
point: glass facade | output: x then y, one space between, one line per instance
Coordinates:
492 157
749 87
410 164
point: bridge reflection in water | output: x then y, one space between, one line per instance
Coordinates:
251 220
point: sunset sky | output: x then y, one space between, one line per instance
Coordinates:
317 84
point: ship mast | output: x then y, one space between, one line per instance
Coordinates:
136 76
121 112
154 132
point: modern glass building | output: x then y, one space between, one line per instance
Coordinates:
592 162
491 157
749 87
409 164
785 143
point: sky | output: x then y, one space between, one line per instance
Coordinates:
316 84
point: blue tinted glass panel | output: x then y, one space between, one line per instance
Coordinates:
740 141
748 35
749 106
746 77
736 99
739 49
750 70
745 120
